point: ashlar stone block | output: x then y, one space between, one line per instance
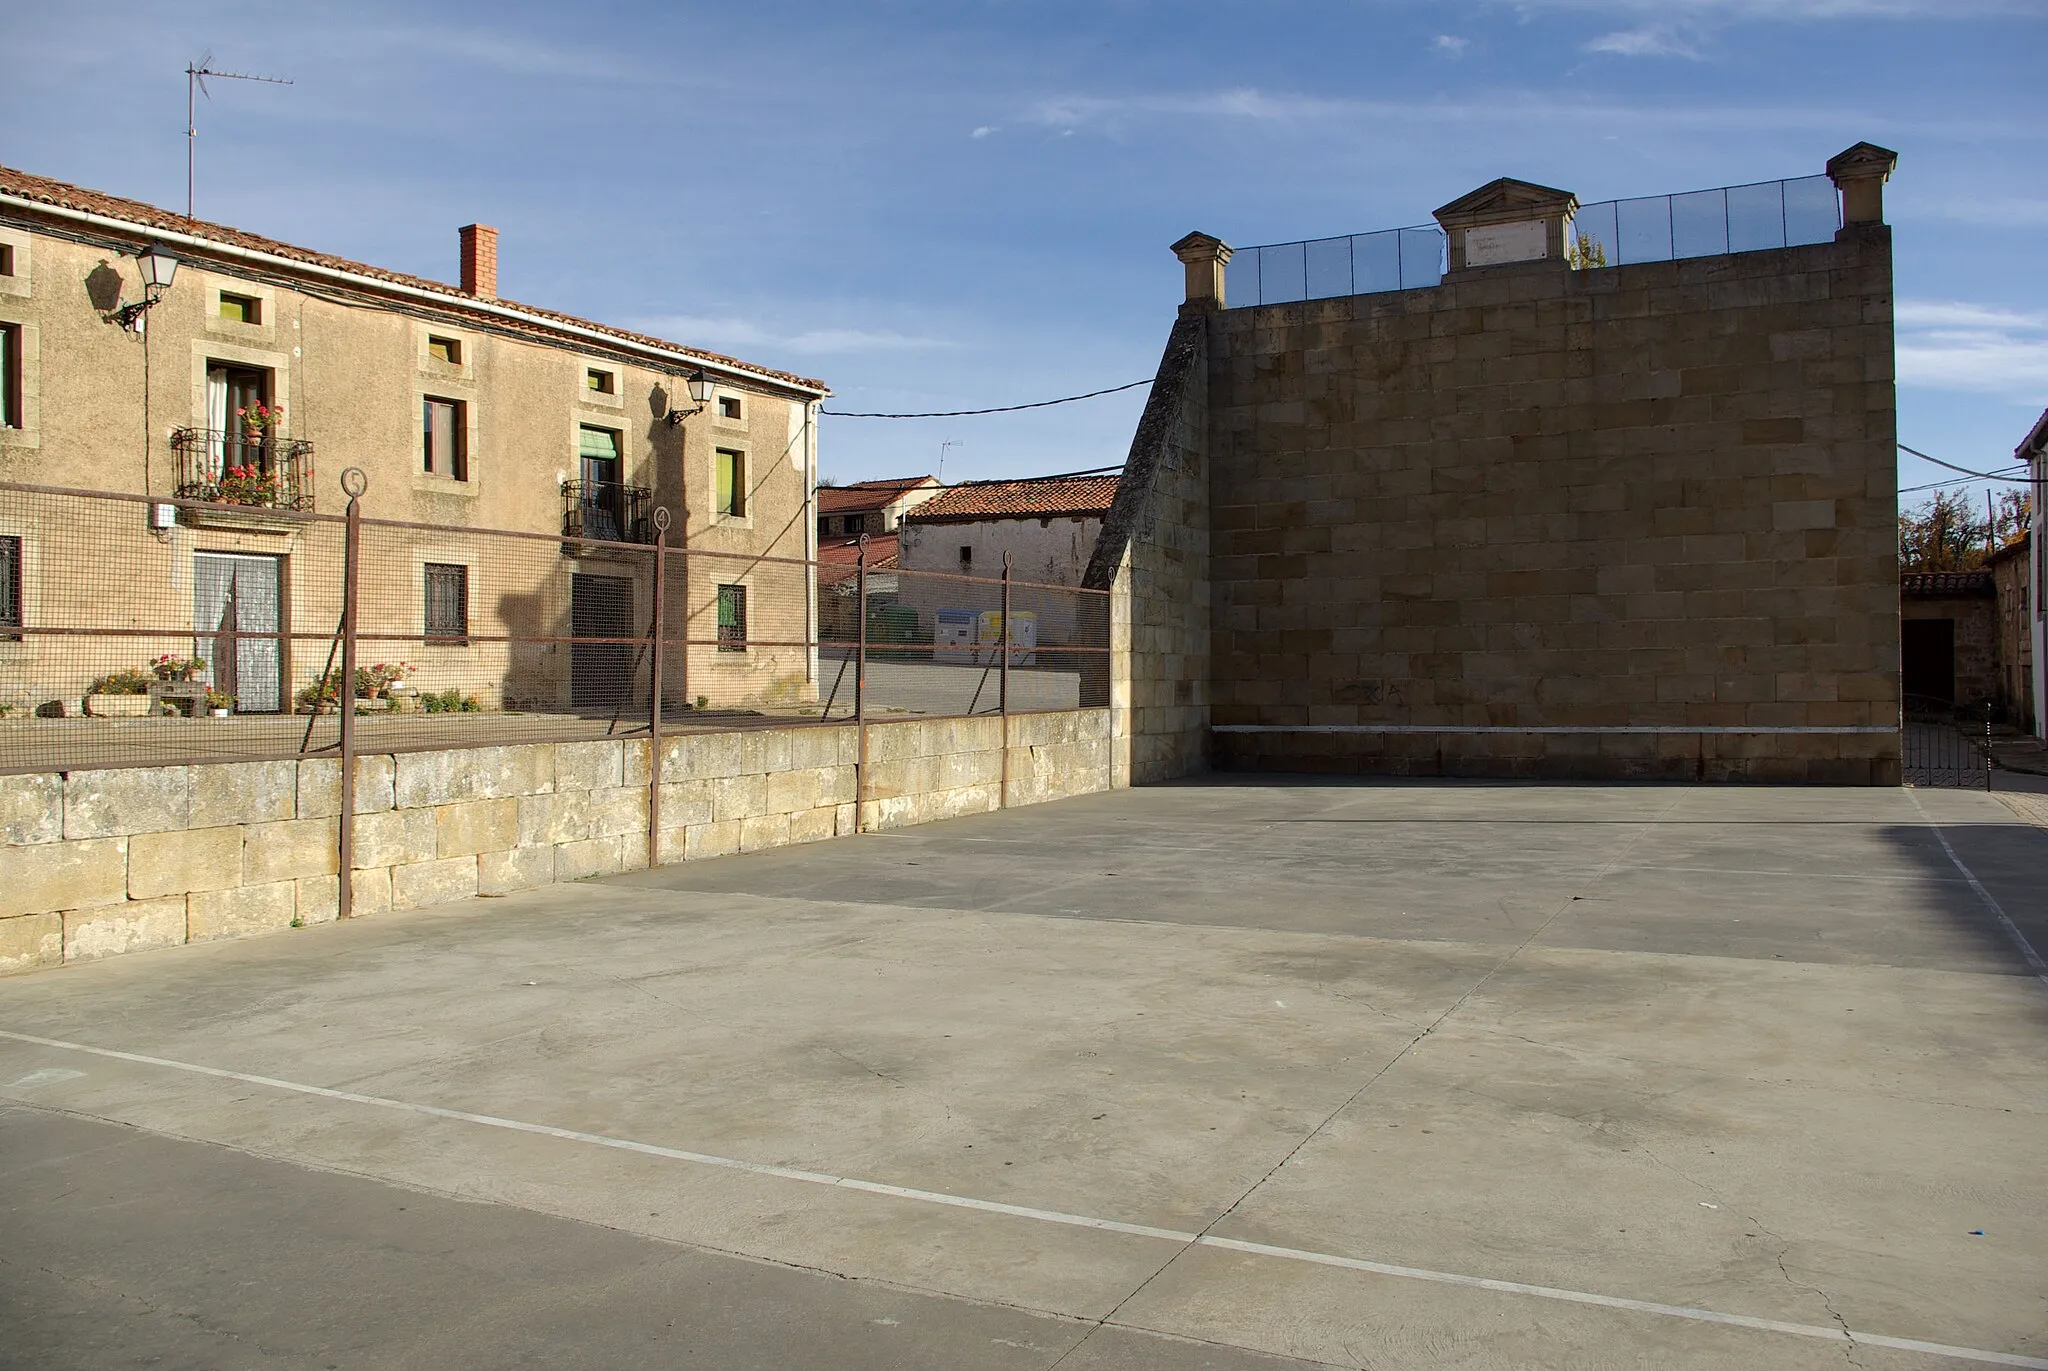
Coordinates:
137 799
237 913
31 808
137 926
293 849
28 941
244 793
193 859
47 877
437 882
468 827
522 868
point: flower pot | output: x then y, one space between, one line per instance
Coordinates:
118 706
218 713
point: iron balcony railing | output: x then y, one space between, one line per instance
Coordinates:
1607 233
606 511
256 468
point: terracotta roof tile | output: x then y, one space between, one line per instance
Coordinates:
863 496
839 561
1935 584
1032 499
44 190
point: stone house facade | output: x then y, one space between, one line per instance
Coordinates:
466 412
1950 654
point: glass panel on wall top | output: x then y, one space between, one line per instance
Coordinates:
1699 224
1376 261
1813 210
1643 230
1422 257
1756 217
1328 268
1283 273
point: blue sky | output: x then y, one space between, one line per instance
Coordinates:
962 204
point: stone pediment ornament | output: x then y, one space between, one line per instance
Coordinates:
1864 159
1504 200
1507 221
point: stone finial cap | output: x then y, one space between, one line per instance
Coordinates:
1507 221
1203 256
1201 247
1862 162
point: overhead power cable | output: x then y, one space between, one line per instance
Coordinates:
1986 475
999 409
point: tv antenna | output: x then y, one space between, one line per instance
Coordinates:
195 85
950 442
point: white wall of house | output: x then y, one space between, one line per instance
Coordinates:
1051 551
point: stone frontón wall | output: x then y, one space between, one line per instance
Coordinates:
103 862
1153 556
1648 495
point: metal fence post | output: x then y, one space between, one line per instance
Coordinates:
1003 684
661 523
860 683
353 484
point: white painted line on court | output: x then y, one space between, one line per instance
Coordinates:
2038 966
1413 1273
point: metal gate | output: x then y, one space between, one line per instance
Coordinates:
1940 752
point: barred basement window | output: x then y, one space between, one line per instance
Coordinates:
447 608
732 618
10 589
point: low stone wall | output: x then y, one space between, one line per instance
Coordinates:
103 862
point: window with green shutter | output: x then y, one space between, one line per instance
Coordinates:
731 493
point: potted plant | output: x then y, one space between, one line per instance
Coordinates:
173 668
249 485
258 419
218 703
122 694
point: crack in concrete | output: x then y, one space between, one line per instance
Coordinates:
1827 1302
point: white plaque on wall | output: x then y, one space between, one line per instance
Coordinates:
1528 241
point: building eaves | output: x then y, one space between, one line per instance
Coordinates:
1044 497
31 192
1933 585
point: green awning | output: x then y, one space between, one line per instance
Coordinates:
599 442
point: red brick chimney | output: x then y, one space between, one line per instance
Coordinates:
480 261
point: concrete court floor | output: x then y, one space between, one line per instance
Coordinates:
1223 1075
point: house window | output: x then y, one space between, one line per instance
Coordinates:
732 618
6 259
241 309
731 471
447 607
10 588
602 381
10 376
728 406
443 438
966 555
233 395
447 350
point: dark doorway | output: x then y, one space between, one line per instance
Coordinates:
1927 660
600 674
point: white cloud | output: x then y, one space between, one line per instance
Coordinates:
1651 41
733 334
983 131
1985 349
1451 44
